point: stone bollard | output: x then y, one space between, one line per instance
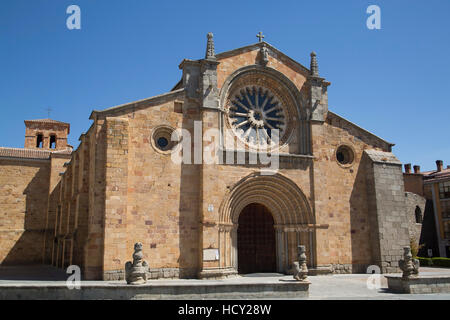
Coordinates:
300 268
408 265
136 272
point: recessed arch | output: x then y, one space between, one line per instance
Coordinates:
280 195
292 216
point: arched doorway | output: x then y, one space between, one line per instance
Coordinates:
289 209
256 240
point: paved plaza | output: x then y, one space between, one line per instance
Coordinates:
343 286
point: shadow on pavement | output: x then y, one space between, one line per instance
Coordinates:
32 272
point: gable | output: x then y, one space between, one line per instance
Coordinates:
137 105
232 60
357 132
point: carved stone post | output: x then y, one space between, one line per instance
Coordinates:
300 268
408 265
136 272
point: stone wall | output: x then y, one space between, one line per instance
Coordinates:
413 183
340 194
389 223
56 168
46 129
148 197
137 193
94 247
414 201
23 205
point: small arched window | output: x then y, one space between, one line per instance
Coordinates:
52 141
418 215
39 141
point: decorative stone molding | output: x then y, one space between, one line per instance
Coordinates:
348 155
268 95
163 132
296 105
283 198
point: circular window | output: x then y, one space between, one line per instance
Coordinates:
255 113
162 143
162 139
345 155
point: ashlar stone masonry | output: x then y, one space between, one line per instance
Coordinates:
338 189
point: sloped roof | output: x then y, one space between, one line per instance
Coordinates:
434 176
30 153
24 153
256 46
137 104
382 157
177 88
360 128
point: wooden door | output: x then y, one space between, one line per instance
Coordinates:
256 240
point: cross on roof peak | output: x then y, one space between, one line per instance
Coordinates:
260 36
49 110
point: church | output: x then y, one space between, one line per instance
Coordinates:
336 188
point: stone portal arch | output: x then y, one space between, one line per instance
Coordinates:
289 207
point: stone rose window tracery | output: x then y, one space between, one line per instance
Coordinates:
254 112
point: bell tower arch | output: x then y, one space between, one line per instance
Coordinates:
46 134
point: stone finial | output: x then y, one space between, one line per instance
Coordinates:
300 268
136 272
408 265
314 66
264 55
210 54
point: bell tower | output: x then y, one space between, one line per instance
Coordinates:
46 134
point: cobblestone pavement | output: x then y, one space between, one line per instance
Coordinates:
342 286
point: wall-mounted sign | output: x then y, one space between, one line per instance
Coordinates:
210 254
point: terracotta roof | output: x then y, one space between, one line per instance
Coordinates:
29 153
431 176
24 153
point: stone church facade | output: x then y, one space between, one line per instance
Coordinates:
337 188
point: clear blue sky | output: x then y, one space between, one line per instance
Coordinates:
394 82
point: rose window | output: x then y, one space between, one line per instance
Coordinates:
255 113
